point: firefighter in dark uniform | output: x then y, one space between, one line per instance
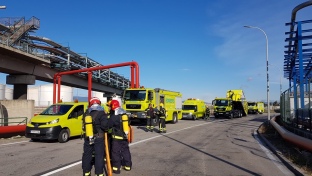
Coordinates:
161 112
118 121
207 113
150 116
95 145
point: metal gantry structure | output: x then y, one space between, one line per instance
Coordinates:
298 55
296 111
16 33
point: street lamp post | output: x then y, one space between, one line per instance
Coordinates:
267 68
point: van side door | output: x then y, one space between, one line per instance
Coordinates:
75 120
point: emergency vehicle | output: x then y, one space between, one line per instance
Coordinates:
59 121
136 101
193 108
233 105
255 107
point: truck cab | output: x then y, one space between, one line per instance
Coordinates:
137 100
59 121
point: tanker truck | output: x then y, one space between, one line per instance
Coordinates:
234 105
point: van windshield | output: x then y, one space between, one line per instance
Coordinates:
58 109
251 104
189 107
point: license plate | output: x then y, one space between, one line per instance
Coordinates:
184 115
35 131
220 113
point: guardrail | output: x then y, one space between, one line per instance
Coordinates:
8 130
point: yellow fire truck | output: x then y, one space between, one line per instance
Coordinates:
193 108
136 101
255 107
234 105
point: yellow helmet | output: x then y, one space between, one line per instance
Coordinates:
161 104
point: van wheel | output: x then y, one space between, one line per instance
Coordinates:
174 118
35 140
63 136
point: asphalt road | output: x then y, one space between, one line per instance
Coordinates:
215 147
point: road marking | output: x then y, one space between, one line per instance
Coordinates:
138 142
271 157
63 168
13 143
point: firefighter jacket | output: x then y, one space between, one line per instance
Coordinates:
161 112
99 119
115 124
150 112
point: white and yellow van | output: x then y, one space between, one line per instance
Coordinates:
59 121
193 108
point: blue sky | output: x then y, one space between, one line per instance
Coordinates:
197 47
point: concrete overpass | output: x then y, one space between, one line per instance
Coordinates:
24 68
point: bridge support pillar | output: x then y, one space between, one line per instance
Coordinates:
20 83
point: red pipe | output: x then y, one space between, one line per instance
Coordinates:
89 70
132 76
89 85
6 130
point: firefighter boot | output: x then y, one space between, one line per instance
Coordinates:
147 128
116 170
127 168
87 173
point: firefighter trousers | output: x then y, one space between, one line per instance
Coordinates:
121 155
162 124
150 123
98 150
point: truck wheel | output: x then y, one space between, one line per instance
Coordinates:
63 136
231 116
194 117
174 118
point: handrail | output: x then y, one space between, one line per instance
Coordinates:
23 122
291 137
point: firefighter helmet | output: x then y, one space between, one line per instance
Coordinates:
114 104
94 100
161 104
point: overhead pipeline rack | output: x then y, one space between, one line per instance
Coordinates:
298 54
16 32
